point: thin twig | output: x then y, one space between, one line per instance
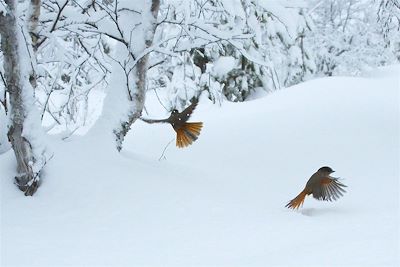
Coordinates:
165 148
159 100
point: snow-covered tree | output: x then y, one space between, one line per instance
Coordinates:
69 61
190 30
347 38
389 21
24 131
275 56
129 27
231 48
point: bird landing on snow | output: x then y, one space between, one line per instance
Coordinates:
322 186
186 132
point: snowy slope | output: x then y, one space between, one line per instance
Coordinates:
221 201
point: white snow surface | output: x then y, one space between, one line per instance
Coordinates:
221 201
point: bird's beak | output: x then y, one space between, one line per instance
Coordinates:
332 171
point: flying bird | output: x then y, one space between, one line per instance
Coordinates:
186 132
322 186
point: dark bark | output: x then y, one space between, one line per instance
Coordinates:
33 31
34 21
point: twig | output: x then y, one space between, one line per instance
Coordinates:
165 148
4 101
159 100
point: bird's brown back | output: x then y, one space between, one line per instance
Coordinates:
324 187
315 180
179 119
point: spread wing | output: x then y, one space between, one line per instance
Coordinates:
187 112
154 121
328 189
183 116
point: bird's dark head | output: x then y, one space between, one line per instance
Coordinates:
326 170
175 111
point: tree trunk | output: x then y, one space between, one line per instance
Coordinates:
27 178
139 94
33 21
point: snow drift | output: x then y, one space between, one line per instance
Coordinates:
221 201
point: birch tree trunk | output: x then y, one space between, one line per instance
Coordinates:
33 21
21 99
138 96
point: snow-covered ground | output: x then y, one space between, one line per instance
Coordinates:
221 201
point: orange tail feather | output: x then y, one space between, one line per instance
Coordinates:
189 133
297 202
181 139
194 127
